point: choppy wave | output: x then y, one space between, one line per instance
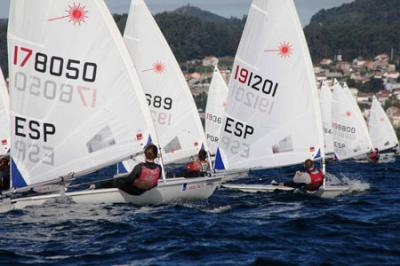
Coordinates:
355 184
231 228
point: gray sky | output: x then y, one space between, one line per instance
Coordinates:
226 8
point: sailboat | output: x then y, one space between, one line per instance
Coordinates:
4 116
77 104
349 129
383 135
177 121
325 99
381 129
273 116
215 109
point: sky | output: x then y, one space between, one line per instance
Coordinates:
226 8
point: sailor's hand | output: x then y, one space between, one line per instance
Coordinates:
92 187
298 173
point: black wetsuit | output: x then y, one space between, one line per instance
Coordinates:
126 183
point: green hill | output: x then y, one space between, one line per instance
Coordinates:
205 16
361 28
193 33
364 27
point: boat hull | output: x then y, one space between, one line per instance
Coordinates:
171 191
234 175
327 192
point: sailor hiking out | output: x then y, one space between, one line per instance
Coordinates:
143 177
312 179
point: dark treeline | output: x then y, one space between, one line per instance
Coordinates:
194 34
364 27
361 28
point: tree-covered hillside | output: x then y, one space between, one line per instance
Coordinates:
364 27
361 28
193 33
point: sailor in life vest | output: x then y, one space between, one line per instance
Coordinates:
198 167
4 173
143 177
374 156
311 180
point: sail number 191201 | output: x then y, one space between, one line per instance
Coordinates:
255 81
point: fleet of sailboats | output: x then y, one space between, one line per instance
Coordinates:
82 97
78 107
349 129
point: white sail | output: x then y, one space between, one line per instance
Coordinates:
349 129
76 101
273 115
381 130
175 115
326 112
4 116
215 110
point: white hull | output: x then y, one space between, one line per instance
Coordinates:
172 191
234 175
327 192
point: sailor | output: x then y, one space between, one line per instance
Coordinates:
143 177
4 173
198 167
374 156
311 179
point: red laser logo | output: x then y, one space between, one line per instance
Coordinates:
348 114
158 68
285 50
76 14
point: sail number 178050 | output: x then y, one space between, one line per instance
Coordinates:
55 65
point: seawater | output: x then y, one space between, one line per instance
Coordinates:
231 228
